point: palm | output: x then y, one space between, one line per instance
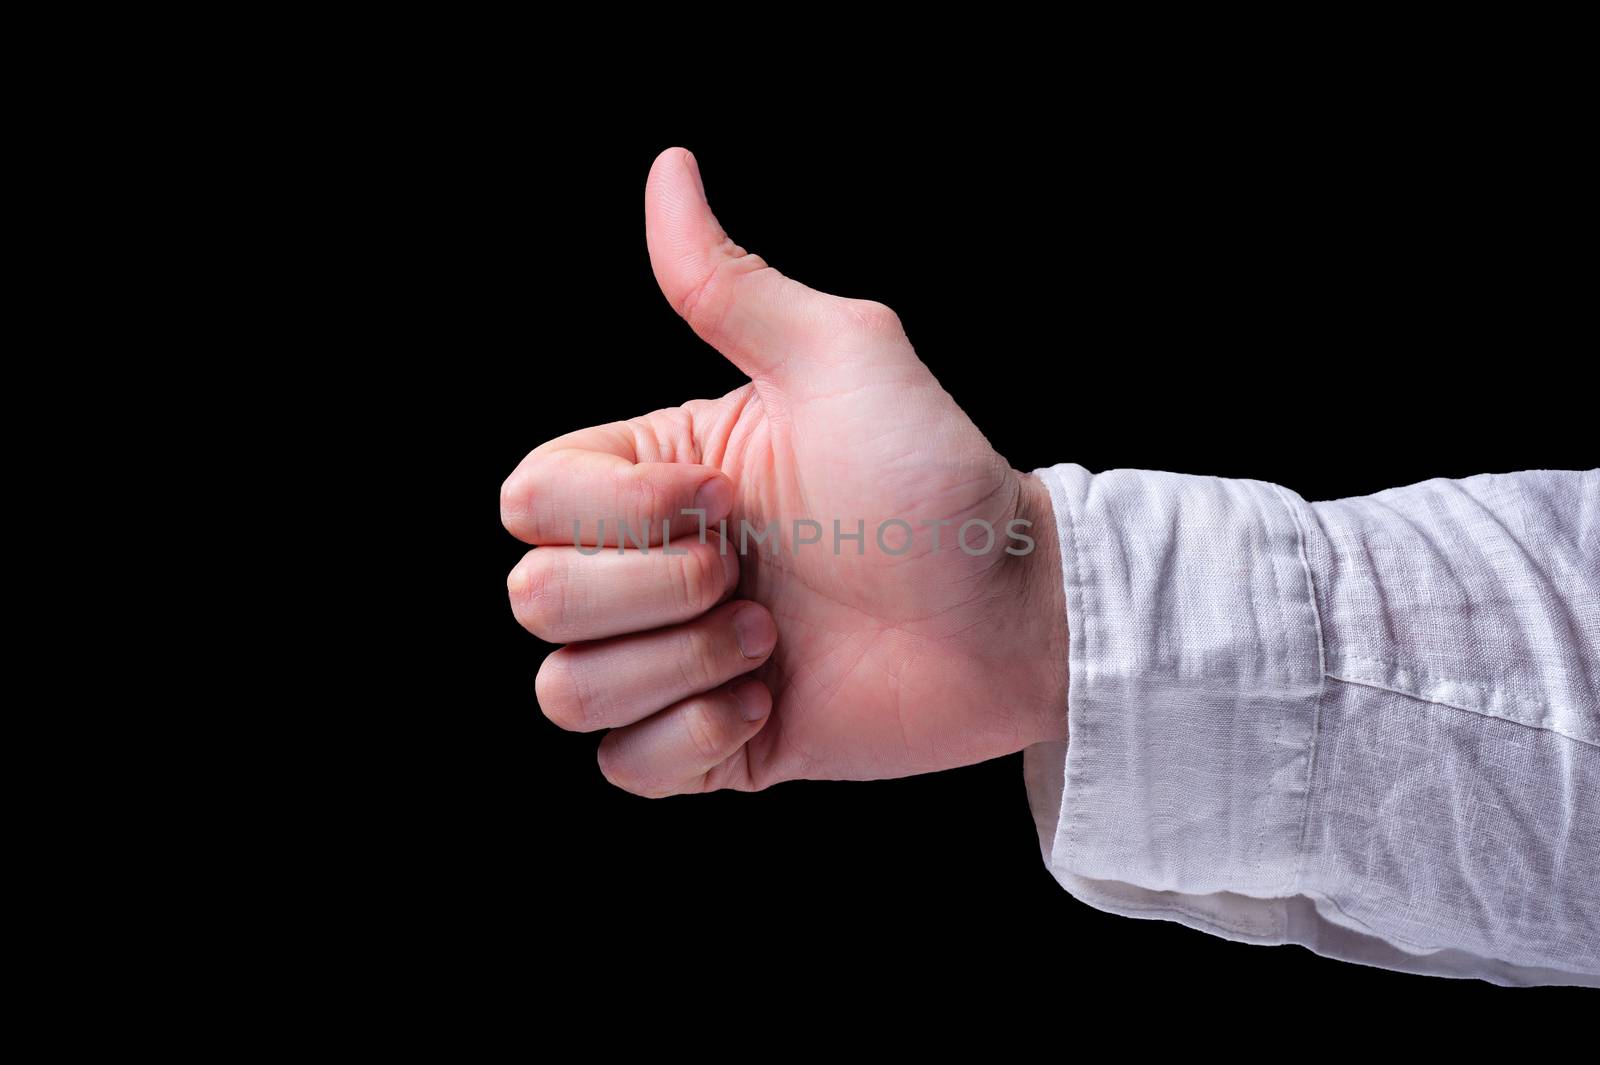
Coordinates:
881 654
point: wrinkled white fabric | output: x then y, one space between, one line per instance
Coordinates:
1367 726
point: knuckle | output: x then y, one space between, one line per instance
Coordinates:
613 766
542 604
877 318
558 694
512 497
697 665
705 729
707 303
699 580
639 498
618 771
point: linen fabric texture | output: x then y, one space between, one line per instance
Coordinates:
1366 726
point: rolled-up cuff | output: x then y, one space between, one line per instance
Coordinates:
1195 677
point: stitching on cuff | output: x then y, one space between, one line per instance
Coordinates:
1322 687
1078 653
1111 903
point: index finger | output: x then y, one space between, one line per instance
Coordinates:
589 488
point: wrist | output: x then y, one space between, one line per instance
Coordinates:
1041 593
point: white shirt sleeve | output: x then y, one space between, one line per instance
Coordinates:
1367 726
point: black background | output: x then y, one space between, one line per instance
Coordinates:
1339 297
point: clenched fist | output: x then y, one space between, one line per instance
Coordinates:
856 586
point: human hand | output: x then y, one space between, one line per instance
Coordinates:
716 669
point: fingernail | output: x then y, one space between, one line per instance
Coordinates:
753 701
694 172
752 627
715 497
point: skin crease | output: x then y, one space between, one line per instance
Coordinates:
884 666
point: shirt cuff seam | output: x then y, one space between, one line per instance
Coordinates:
1079 846
1293 505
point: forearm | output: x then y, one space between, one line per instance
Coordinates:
1365 726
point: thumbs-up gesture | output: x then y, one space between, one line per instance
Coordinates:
856 584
